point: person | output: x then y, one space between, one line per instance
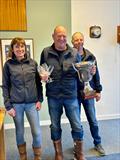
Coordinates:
62 91
89 104
22 93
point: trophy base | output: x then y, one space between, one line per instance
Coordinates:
90 94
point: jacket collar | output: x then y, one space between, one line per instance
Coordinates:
68 51
25 60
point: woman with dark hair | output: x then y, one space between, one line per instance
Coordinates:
22 92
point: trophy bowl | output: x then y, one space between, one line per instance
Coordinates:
84 70
85 75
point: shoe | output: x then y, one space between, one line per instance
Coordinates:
100 149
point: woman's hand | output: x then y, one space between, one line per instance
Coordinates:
93 70
12 112
38 105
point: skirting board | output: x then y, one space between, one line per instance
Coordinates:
63 121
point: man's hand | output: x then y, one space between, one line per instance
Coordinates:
93 70
44 77
98 96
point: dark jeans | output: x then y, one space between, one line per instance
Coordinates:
71 107
89 107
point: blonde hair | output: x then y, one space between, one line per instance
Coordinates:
16 40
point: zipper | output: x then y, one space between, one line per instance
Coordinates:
23 76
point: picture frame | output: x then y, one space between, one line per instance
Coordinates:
5 44
118 34
0 68
4 49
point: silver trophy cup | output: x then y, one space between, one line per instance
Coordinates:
84 70
45 71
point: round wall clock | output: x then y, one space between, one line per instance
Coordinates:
95 31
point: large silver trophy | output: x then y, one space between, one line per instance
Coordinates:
45 71
84 70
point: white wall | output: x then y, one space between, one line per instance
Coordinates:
106 14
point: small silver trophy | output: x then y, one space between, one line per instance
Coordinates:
45 72
84 70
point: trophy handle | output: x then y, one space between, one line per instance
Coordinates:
77 72
50 69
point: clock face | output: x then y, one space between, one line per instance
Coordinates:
95 32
